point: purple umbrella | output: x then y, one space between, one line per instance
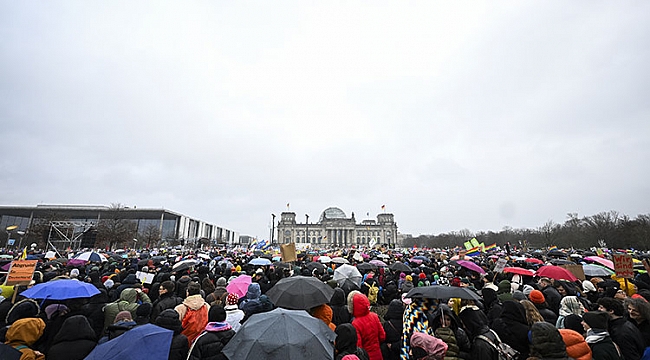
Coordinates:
470 266
378 263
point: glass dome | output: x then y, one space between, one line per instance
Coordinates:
332 213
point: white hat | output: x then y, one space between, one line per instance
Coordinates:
108 284
74 273
259 271
588 286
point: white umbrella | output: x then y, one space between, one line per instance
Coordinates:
203 256
347 273
91 256
325 259
340 260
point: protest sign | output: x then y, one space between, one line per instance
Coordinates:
144 277
288 252
501 264
21 272
623 266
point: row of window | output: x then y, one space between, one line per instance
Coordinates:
317 233
314 240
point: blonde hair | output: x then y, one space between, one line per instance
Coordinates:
532 314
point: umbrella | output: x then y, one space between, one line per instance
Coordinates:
91 256
282 334
596 270
184 265
457 257
555 272
443 292
366 266
282 265
347 274
519 271
315 265
556 253
260 261
239 285
400 266
203 256
9 353
423 258
601 261
61 290
143 262
340 260
300 292
142 342
417 261
378 263
470 266
325 259
534 261
561 262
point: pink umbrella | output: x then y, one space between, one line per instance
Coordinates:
239 285
456 257
378 263
518 270
470 266
555 272
534 261
601 261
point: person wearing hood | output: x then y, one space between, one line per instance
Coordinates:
493 306
93 311
346 343
213 339
193 312
369 329
180 347
476 324
447 327
324 313
123 322
427 347
505 291
546 342
569 305
340 313
254 292
128 302
22 335
576 346
130 281
26 308
601 344
74 341
512 327
393 327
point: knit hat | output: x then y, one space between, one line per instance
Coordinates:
464 280
144 309
504 287
216 314
596 319
74 273
588 286
53 308
422 276
574 322
108 284
168 319
221 281
409 278
122 316
518 295
536 297
232 299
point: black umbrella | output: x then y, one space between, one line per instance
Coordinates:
315 265
562 262
282 334
400 266
443 292
282 265
300 292
143 262
366 266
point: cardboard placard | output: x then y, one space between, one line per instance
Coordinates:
501 264
288 252
623 266
144 277
576 270
21 272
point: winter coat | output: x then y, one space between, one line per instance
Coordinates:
346 343
493 305
164 302
628 338
93 311
602 346
210 343
475 323
548 314
512 327
340 313
576 346
196 303
370 332
169 320
546 342
234 316
393 330
462 346
553 298
74 341
128 302
23 333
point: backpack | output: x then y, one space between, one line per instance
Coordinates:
194 322
505 351
373 293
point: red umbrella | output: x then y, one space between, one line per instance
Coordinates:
520 271
555 272
601 261
534 261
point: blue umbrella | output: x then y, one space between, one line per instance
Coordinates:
61 290
260 261
142 342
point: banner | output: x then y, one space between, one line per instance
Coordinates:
288 252
21 272
474 242
623 266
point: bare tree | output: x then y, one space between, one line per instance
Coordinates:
114 229
150 235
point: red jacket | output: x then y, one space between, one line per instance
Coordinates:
370 332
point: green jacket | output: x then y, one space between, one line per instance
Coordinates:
128 301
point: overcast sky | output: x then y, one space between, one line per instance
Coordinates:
453 114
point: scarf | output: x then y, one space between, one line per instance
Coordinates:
217 326
415 320
595 337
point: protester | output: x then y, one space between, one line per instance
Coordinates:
427 347
369 329
601 344
234 315
628 338
576 346
546 342
74 341
193 312
170 320
217 333
346 343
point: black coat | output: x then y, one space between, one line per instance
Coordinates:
169 320
209 344
512 327
553 298
628 338
74 341
393 330
340 313
604 350
164 302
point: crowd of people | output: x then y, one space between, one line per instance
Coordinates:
503 316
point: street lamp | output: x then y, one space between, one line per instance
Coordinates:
307 229
273 229
9 229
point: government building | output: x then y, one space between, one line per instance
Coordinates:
334 228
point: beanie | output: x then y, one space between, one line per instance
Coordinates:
422 276
574 322
588 286
108 284
221 281
122 316
409 278
504 287
536 297
596 319
216 314
518 295
232 299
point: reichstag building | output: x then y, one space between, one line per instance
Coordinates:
334 228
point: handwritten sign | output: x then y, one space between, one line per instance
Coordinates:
21 272
144 277
501 264
288 252
623 266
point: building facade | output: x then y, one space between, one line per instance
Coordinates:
334 228
69 223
